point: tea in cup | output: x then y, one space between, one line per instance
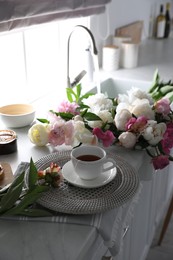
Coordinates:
90 161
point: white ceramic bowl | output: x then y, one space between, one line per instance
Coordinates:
17 115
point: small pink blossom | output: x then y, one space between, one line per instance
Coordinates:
67 107
136 124
107 137
160 162
162 106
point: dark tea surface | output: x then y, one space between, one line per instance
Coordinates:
88 157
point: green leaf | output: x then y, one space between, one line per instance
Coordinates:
17 181
143 143
91 117
78 91
17 209
25 202
29 198
66 116
70 93
156 95
82 106
160 148
83 113
149 153
33 175
170 96
48 178
33 195
162 92
11 197
16 200
155 82
166 89
35 213
156 76
42 120
86 95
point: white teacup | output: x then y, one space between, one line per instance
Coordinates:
90 161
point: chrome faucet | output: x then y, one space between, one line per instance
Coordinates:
94 50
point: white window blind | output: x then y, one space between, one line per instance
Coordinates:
23 13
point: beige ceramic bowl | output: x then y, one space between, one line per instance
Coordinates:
17 115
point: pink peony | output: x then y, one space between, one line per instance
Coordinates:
69 132
167 142
136 124
61 133
57 135
162 106
160 162
107 137
67 107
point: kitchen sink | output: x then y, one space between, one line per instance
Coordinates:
113 87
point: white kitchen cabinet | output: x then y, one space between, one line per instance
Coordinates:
151 206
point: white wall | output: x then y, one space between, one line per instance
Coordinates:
122 12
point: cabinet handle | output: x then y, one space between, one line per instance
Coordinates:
125 231
124 234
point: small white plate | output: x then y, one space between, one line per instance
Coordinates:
71 176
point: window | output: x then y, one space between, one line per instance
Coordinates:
12 67
33 63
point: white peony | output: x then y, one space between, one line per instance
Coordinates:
143 108
121 118
127 139
140 94
38 134
136 100
82 134
105 116
99 102
122 105
154 132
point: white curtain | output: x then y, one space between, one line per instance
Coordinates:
22 13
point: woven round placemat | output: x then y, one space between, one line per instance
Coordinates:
74 200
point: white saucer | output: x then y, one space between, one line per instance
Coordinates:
70 175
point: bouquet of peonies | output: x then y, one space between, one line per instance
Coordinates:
135 120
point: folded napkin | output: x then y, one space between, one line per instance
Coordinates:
22 167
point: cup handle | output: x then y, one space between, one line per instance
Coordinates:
113 165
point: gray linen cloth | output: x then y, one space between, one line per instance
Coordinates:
110 224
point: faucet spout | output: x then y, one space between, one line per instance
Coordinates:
93 49
78 78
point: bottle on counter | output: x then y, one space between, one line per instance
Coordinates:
167 21
160 24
